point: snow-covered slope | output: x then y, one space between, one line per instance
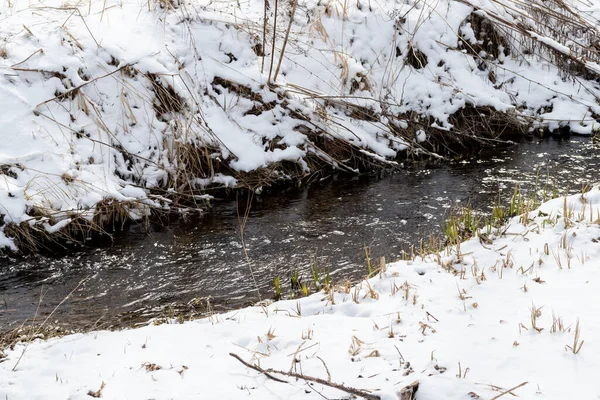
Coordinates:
516 309
102 101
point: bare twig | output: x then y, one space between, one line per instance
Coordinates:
243 223
264 38
274 39
285 40
40 50
326 369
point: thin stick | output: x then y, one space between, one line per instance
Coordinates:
264 42
274 39
326 369
509 391
31 55
267 372
88 28
285 40
243 223
46 320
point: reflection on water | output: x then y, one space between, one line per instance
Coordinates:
140 275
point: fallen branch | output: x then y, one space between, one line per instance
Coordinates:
268 372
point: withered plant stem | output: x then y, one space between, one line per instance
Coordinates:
274 40
285 40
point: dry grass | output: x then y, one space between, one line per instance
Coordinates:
575 348
27 333
536 312
108 216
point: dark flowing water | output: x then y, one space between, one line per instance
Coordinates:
142 276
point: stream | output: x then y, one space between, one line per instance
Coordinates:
199 265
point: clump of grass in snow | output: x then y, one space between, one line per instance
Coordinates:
368 258
577 342
462 373
557 324
355 346
316 272
462 224
320 280
295 283
535 314
29 332
277 285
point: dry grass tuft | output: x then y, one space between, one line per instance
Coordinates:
28 333
97 393
577 342
151 367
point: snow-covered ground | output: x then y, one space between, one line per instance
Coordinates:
102 101
498 312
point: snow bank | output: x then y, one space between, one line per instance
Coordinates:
499 313
103 97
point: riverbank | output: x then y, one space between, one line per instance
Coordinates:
99 130
511 311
